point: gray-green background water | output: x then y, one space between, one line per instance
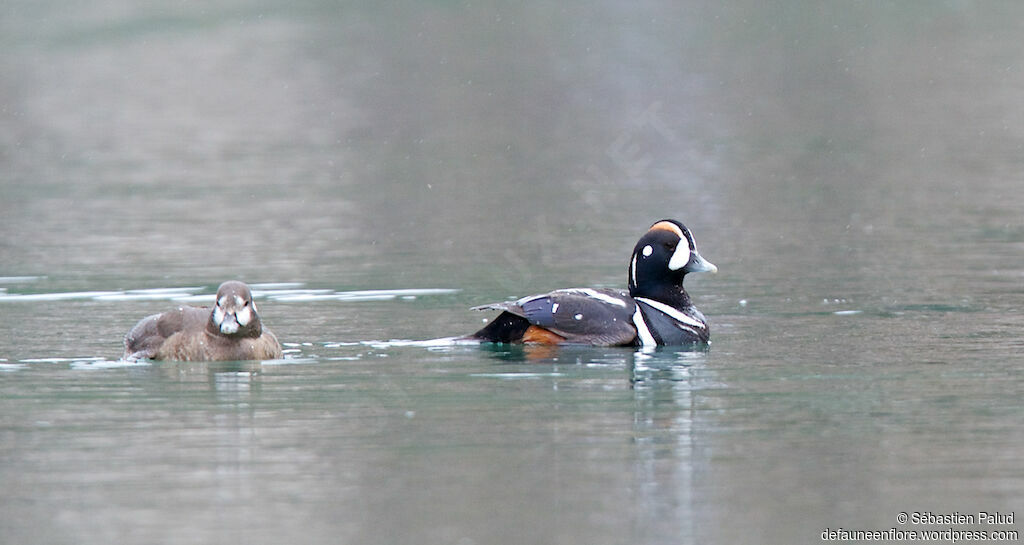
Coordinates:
856 171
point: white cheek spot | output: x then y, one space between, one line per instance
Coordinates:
222 301
578 317
239 301
648 251
244 316
218 315
554 308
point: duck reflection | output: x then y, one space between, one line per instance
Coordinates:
229 382
665 455
664 383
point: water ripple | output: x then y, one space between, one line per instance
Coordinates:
287 292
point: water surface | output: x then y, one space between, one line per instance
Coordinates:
855 171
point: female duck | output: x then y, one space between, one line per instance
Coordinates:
231 331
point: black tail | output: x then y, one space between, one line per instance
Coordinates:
506 328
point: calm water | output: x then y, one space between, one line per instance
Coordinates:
855 171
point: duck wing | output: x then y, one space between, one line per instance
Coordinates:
146 338
580 315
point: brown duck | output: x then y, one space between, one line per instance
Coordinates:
231 331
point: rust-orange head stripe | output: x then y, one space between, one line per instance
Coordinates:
668 226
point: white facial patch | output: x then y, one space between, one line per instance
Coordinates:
218 315
680 257
239 301
648 251
244 316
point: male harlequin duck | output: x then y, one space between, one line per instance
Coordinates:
231 331
655 311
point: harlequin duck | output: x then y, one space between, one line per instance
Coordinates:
231 331
655 311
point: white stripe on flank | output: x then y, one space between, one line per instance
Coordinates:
674 313
528 298
646 339
599 296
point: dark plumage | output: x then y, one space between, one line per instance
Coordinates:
655 311
232 330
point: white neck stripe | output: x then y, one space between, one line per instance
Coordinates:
674 313
632 270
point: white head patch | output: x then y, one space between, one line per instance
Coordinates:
243 316
230 322
680 257
218 315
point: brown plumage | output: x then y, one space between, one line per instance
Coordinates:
232 330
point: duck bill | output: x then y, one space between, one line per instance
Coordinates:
699 264
229 326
